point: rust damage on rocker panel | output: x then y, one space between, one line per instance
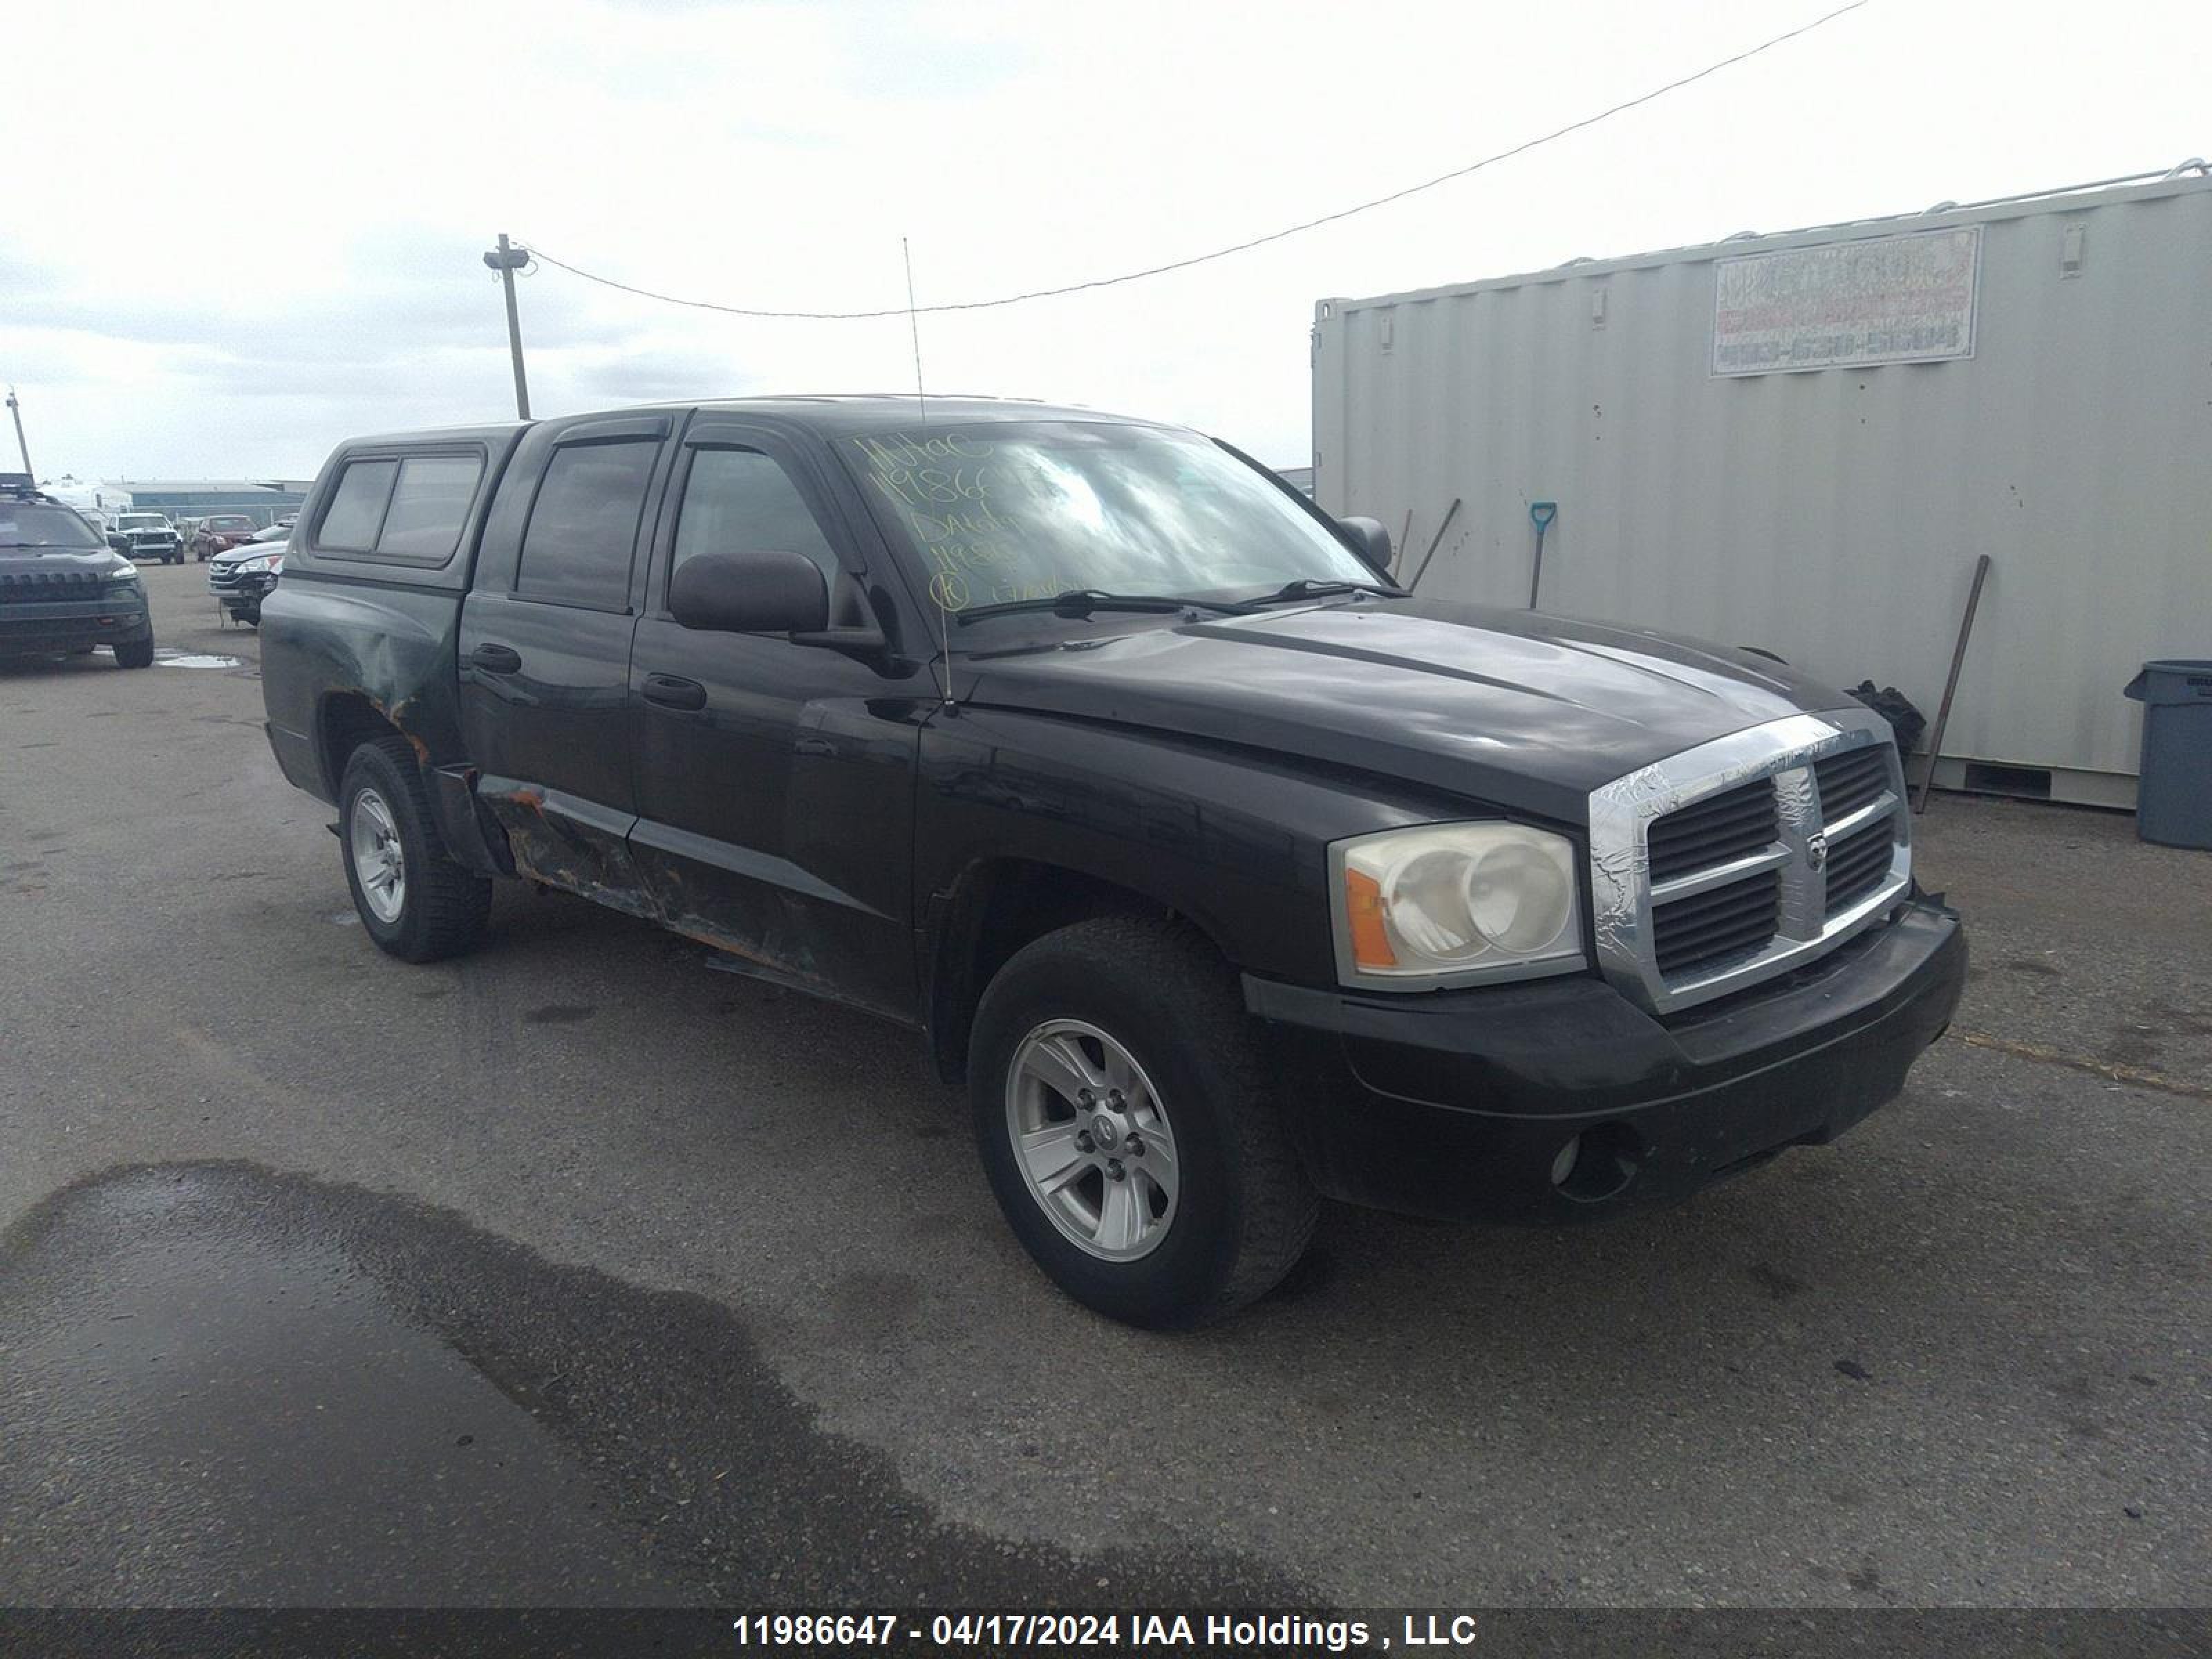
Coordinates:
777 948
549 849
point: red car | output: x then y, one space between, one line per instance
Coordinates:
221 533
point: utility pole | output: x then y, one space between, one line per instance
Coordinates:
507 261
16 409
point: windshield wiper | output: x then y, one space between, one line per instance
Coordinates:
1079 601
1305 587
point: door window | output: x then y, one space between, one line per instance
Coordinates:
739 501
583 526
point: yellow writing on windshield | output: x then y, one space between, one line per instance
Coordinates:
941 490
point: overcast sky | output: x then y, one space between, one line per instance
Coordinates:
235 235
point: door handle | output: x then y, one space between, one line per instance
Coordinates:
496 660
673 691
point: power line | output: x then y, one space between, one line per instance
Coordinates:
1521 148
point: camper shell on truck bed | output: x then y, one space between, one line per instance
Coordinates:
1226 873
380 651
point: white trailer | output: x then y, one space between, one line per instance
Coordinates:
1802 442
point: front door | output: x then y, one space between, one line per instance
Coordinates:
775 780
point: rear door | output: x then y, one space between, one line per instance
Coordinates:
775 780
544 651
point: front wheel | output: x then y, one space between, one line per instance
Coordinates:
416 903
1125 1120
137 653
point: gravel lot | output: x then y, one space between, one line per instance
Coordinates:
573 1270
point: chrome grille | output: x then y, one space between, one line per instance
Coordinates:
1857 863
1747 856
1716 927
1851 780
1723 827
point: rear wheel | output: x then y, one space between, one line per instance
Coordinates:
416 903
1124 1119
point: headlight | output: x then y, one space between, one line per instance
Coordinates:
1454 904
255 567
126 577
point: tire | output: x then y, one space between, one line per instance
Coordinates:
137 654
1242 1211
440 909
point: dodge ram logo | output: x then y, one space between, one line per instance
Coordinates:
1816 851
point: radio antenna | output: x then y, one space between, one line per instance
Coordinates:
938 582
913 327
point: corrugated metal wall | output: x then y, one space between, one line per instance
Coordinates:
1832 516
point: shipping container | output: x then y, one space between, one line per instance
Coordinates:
1802 442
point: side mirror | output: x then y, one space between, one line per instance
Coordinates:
750 594
1370 540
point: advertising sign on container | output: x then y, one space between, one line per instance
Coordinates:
1884 300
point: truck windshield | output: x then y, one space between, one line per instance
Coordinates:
34 524
1003 511
144 522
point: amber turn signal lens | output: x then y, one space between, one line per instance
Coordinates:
1370 941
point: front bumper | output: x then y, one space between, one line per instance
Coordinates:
1461 1104
36 630
240 593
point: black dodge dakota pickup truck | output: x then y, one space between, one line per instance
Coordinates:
1227 875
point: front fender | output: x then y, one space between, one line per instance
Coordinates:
1233 839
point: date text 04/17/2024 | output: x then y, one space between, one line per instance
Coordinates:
1170 1631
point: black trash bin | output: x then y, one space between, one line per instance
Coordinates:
2173 797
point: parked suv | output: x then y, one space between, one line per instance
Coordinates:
147 536
62 589
1226 874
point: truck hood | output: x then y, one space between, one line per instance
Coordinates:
1518 709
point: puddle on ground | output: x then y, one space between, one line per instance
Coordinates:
168 659
306 1393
